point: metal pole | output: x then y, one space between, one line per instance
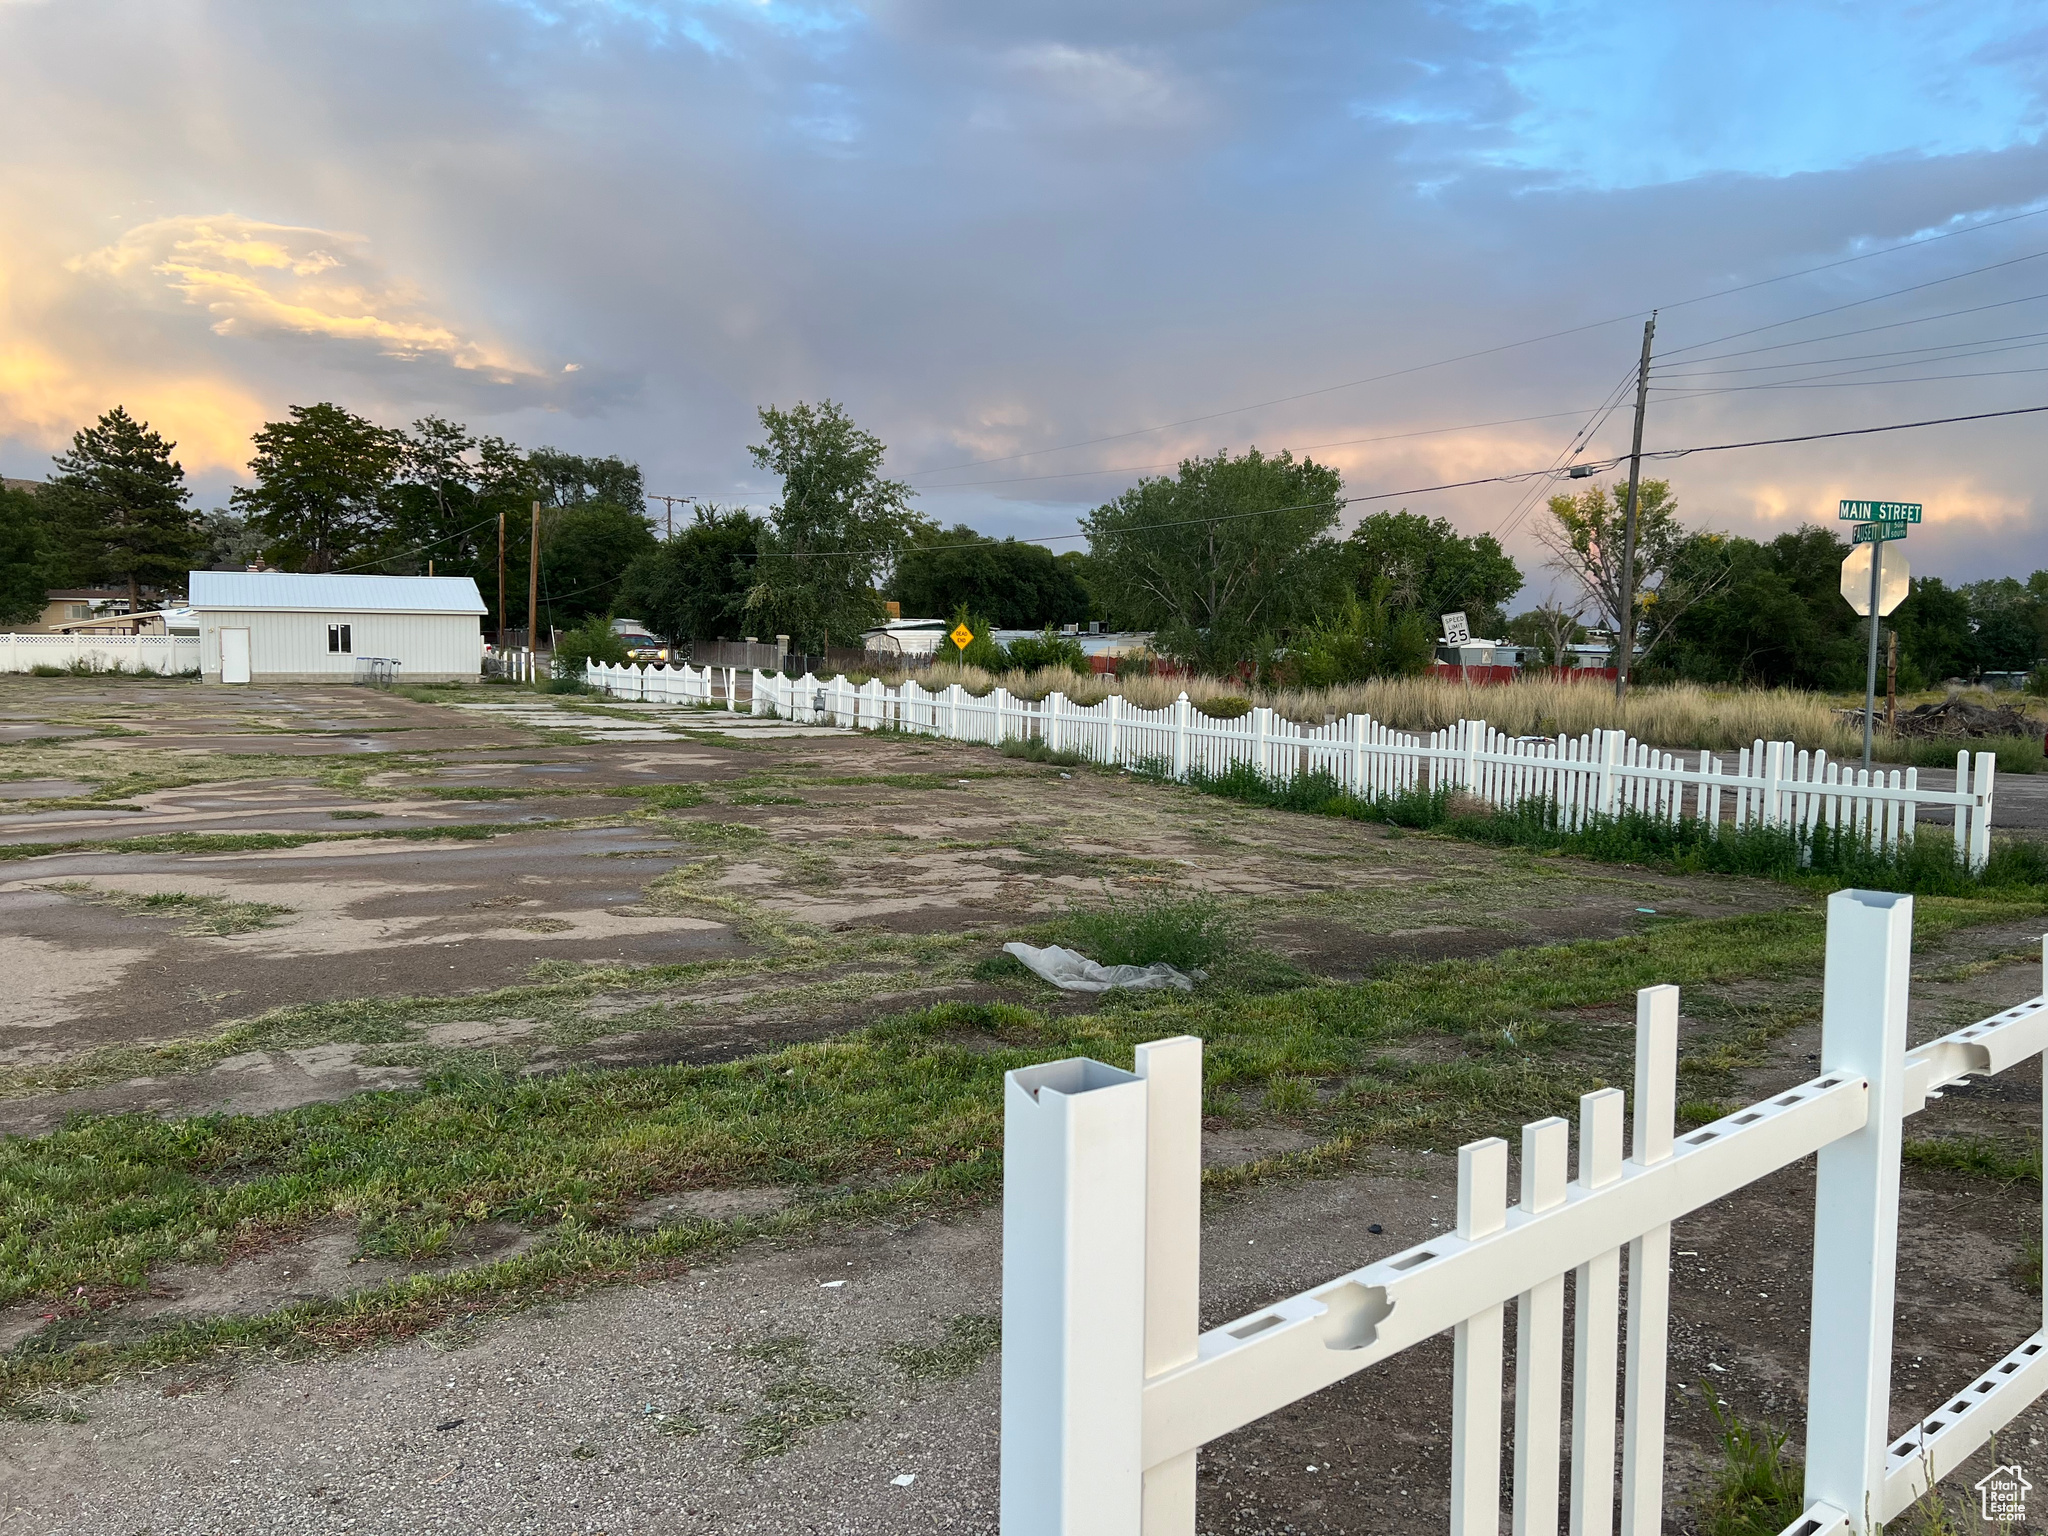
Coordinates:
1870 674
501 581
1626 640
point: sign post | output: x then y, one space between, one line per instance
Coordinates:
1878 523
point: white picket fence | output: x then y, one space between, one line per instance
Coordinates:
167 655
1110 1390
1771 783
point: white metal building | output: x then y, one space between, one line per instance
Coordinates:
277 627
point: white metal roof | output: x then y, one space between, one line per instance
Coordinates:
244 590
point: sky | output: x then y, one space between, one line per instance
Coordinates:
1044 250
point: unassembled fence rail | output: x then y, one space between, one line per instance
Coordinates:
1602 773
1110 1389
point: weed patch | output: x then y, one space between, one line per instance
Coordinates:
213 916
1189 932
1758 1489
970 1339
1815 855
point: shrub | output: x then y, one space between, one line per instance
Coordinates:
1047 649
592 640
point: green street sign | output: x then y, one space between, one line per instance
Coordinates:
1880 512
1878 533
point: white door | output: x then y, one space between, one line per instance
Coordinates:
234 655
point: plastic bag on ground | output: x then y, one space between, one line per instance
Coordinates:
1072 971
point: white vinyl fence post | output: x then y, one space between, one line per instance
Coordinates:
1980 819
1074 1345
1181 710
1856 1208
1476 1353
1539 1341
1172 1070
1597 1317
1649 1271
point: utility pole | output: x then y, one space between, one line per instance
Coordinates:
1626 641
669 503
501 580
533 586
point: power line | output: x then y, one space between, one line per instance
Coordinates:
431 544
1509 477
1924 378
1875 298
1955 349
1342 442
1719 293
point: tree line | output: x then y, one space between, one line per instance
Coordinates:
1235 562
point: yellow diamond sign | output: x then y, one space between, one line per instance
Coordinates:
962 637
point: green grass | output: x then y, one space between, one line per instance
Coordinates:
902 1117
1816 856
1188 932
1036 751
241 842
1758 1489
1977 1157
970 1339
212 916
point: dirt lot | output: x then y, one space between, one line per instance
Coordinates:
256 900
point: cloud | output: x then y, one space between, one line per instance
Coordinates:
261 281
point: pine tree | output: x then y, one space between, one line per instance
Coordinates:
121 499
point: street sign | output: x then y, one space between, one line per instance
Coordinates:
962 637
1457 630
1878 533
1880 512
1895 578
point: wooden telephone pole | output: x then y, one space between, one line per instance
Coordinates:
501 581
1625 642
533 586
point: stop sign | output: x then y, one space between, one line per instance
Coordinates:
1894 578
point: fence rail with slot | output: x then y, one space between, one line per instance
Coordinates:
1602 773
1110 1389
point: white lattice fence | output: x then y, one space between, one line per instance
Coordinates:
166 655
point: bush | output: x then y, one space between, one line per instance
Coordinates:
1926 866
592 640
1047 649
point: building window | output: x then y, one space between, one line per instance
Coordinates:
337 638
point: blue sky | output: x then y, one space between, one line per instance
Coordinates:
1023 239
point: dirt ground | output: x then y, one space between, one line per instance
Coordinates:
635 886
819 877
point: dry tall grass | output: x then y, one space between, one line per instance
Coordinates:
1679 715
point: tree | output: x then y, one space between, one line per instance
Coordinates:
570 480
451 489
694 585
1935 637
1551 628
586 550
835 531
1017 585
1430 569
231 544
1360 638
24 550
1766 614
122 498
1585 538
322 481
1222 557
2008 616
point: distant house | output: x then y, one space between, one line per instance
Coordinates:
278 627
